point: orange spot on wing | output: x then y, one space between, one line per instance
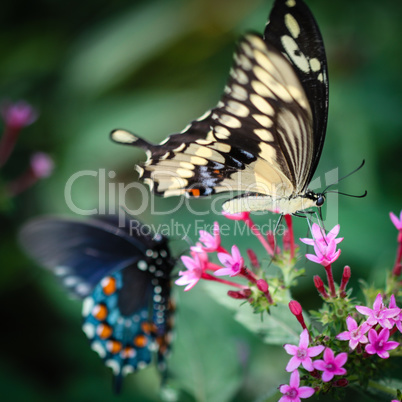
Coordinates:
127 352
108 285
194 192
104 331
114 347
148 327
100 312
140 341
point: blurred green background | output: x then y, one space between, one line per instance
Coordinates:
151 67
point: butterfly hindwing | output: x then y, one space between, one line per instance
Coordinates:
125 272
81 253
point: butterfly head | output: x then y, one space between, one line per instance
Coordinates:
317 198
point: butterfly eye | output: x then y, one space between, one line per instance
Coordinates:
320 201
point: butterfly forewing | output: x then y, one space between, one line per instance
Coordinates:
266 134
249 142
293 30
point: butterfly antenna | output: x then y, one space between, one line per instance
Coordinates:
344 177
348 195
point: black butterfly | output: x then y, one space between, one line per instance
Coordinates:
122 271
266 134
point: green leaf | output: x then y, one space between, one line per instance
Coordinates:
205 357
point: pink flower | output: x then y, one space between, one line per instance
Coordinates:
379 314
195 268
293 392
324 245
233 263
331 365
397 320
324 255
397 222
355 333
41 164
18 115
379 343
211 242
319 236
302 354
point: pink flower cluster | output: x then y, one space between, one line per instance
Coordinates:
381 322
302 354
232 263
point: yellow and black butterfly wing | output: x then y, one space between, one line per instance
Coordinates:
293 30
259 138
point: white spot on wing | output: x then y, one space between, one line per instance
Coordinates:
87 306
230 121
98 348
89 330
298 59
292 25
113 365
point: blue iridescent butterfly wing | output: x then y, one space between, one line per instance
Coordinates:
123 272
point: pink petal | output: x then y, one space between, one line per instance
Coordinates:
372 336
364 310
285 398
291 349
308 241
223 272
383 354
316 232
397 223
370 349
391 345
306 392
341 359
320 365
333 232
315 350
304 339
313 258
351 323
294 379
327 376
339 371
293 364
383 335
188 262
328 355
225 259
307 363
378 302
285 388
391 312
344 336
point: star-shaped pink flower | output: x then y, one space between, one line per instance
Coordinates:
379 343
195 268
233 263
355 333
331 365
324 245
379 314
293 392
211 242
302 354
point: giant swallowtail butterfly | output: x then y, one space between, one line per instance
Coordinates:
266 134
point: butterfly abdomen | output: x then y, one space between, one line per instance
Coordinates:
261 202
